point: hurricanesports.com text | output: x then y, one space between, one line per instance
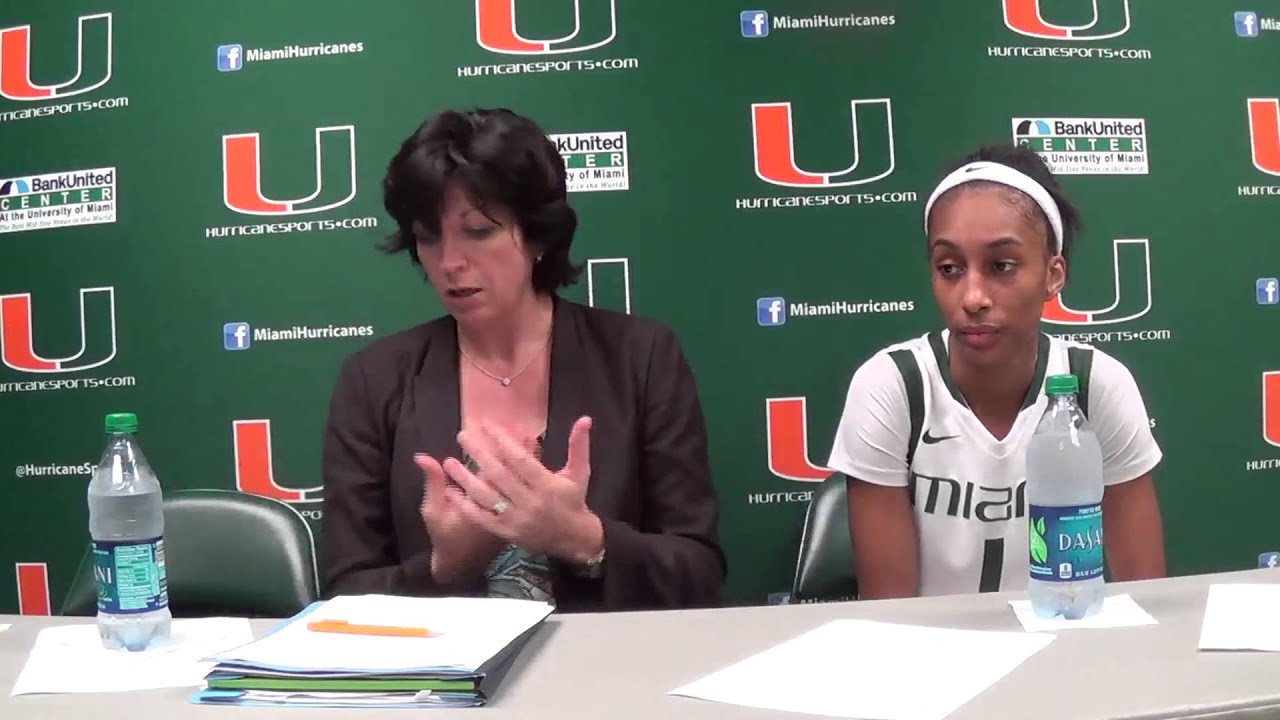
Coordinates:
64 108
792 201
68 384
1100 336
1257 190
547 66
770 498
1084 53
291 226
32 470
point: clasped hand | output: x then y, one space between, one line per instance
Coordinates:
513 499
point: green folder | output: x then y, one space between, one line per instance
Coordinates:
341 684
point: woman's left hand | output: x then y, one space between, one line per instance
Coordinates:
519 500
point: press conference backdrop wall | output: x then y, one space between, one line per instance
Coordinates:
190 202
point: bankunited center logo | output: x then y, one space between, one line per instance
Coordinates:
61 199
96 347
20 64
332 185
1075 22
1264 144
544 40
776 148
251 447
1086 146
594 161
1130 300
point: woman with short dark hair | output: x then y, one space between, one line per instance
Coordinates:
521 445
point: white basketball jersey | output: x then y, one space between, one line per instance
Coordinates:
906 423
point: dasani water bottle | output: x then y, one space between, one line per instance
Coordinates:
126 524
1064 495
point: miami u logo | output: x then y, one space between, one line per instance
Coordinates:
1110 19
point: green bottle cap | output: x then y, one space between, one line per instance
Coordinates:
122 423
1062 385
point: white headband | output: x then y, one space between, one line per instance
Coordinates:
1005 175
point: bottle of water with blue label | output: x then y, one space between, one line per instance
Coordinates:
1064 498
126 524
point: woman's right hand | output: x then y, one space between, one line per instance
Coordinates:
459 547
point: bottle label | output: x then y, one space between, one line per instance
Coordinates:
1066 542
130 576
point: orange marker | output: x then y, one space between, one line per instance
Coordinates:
343 626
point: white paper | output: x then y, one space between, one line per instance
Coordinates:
71 658
343 699
4 627
301 696
466 633
1241 617
871 670
1116 611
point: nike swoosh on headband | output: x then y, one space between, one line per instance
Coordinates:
1005 175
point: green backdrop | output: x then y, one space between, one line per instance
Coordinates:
172 170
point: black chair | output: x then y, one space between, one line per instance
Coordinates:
824 564
226 553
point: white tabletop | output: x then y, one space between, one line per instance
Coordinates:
620 666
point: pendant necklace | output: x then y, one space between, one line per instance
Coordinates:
506 381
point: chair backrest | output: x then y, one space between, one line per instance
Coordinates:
824 564
226 553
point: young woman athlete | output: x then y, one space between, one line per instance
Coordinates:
934 431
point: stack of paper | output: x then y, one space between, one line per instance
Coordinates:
378 650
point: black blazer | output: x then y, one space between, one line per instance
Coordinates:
650 473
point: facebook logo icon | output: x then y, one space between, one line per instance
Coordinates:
235 336
771 311
1269 560
230 58
1247 24
1268 291
755 23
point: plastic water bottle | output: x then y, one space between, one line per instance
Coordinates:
126 524
1064 495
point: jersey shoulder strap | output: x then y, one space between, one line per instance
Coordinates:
909 368
1080 364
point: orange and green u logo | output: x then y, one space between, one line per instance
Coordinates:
1132 299
97 333
93 64
498 29
1271 407
1029 17
1264 134
251 443
787 428
335 174
774 146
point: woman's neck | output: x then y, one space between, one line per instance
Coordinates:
509 339
997 387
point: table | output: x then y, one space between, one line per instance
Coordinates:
621 665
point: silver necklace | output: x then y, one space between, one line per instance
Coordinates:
506 381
